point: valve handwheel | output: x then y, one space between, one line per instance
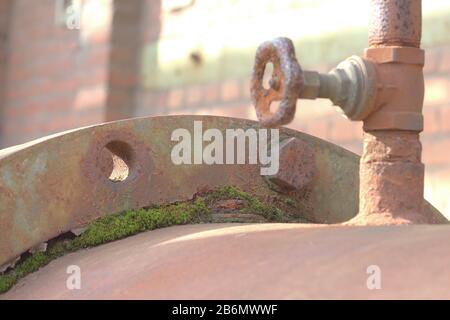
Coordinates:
285 84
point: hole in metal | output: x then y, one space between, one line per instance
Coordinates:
119 159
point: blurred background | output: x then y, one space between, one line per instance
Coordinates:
71 63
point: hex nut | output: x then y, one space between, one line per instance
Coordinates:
311 85
296 165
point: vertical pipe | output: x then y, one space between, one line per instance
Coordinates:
391 171
395 23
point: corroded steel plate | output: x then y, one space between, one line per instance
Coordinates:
61 182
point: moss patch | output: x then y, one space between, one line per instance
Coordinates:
107 229
118 226
252 205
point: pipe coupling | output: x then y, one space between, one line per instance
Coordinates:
400 89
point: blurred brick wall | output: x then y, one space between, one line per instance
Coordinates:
55 77
436 136
124 64
4 35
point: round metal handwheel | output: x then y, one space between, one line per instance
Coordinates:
285 84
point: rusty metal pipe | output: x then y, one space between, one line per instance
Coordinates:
385 89
391 171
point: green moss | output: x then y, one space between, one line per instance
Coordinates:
251 203
110 228
118 226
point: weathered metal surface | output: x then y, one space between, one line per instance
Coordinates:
60 183
392 179
351 86
296 165
355 79
262 261
395 23
285 85
391 171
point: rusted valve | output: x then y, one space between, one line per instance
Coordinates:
384 88
286 82
350 85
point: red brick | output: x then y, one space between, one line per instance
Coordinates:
211 93
432 60
93 116
100 55
246 89
48 69
445 119
436 151
193 95
122 55
444 63
123 78
343 129
149 101
90 97
235 110
320 128
432 120
230 90
175 98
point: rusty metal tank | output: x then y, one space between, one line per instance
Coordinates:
336 226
